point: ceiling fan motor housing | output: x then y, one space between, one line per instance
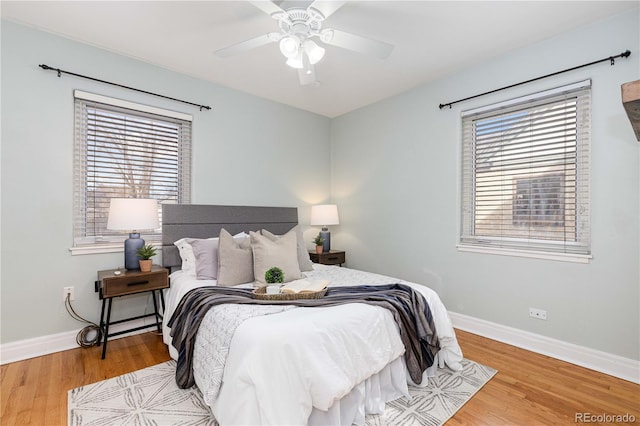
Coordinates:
300 23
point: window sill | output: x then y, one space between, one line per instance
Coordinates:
97 249
561 257
104 248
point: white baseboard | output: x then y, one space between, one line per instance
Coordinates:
38 346
614 365
603 362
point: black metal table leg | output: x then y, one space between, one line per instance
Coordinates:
106 329
102 322
155 307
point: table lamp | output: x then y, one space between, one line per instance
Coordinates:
133 215
323 215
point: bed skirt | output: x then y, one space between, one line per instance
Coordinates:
368 397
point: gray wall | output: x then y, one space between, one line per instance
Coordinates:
396 168
246 151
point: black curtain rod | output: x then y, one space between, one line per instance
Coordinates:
47 67
624 54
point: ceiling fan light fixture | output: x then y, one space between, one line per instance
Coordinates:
290 46
296 61
313 51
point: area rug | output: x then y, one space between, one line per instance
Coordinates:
151 397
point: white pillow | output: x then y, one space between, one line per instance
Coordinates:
187 256
281 252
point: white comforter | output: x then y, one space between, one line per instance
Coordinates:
282 366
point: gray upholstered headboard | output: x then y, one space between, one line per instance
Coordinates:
205 221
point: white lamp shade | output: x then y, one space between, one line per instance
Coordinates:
290 46
133 214
314 52
296 61
324 214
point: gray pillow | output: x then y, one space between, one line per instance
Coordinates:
304 262
235 260
206 255
280 252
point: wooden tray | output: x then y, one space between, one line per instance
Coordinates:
261 293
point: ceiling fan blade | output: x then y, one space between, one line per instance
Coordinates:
243 46
269 8
356 43
308 78
326 8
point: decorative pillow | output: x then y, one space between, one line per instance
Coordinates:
304 262
185 248
235 260
281 252
186 254
206 255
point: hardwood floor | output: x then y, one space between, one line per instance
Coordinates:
534 389
529 389
34 391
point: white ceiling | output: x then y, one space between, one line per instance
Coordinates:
431 39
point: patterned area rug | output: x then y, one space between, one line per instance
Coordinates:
151 397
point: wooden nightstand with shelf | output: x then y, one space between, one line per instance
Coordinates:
120 282
332 257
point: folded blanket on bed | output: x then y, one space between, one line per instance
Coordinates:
409 308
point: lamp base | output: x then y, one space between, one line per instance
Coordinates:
131 247
326 235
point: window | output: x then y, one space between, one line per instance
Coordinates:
125 150
539 202
525 174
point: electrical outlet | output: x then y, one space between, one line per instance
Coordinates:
70 291
538 313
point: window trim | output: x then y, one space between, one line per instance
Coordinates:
478 247
103 248
584 84
534 254
111 246
79 94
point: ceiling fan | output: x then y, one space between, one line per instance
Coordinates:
298 27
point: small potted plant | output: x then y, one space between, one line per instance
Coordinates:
274 277
145 253
318 241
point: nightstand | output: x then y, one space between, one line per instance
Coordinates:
120 282
332 257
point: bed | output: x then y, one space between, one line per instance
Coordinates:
279 364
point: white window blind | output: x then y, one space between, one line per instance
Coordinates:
126 150
525 173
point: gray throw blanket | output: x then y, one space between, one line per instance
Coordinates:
409 308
